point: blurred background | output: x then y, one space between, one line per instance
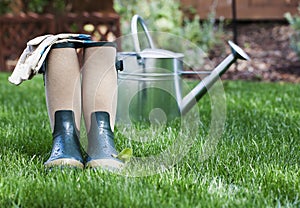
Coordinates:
268 30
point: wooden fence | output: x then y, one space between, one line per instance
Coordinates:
245 9
15 31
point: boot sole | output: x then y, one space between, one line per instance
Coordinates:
109 164
65 162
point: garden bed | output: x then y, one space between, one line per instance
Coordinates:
268 45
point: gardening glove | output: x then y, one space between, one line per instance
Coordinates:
28 65
36 52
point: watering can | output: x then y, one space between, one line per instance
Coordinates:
150 84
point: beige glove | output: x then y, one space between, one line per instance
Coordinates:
30 60
36 52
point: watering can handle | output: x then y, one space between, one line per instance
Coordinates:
134 25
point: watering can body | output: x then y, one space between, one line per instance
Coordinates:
150 87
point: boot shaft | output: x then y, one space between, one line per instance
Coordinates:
64 123
100 136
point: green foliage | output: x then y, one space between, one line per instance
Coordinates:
125 155
166 16
37 6
294 22
40 6
206 35
4 6
60 5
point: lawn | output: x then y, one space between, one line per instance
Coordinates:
255 163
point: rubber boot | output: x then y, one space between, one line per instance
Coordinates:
101 147
63 98
66 146
99 92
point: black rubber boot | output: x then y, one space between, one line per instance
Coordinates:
66 146
101 145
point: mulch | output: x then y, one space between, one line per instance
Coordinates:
268 45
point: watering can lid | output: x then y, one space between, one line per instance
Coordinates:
159 53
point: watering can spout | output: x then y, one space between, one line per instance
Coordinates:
237 52
197 93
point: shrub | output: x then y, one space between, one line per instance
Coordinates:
294 22
4 6
166 16
37 6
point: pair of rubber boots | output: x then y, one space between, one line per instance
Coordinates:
66 150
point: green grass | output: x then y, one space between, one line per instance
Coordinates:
255 164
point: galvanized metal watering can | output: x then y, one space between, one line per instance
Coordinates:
151 82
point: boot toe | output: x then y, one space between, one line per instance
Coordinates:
64 154
105 163
66 146
64 162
